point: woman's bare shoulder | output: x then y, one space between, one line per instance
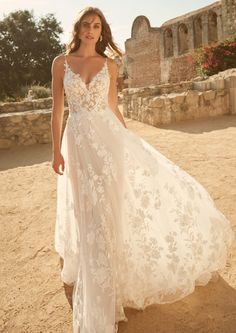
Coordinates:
58 64
112 65
111 62
59 59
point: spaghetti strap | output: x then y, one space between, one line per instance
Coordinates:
106 64
65 62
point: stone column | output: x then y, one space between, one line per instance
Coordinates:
175 40
190 35
205 29
162 44
219 27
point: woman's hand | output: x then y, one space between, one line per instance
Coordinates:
58 161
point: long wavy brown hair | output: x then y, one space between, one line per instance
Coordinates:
101 46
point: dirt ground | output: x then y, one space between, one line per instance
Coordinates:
33 298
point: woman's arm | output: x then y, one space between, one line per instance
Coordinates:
57 71
113 96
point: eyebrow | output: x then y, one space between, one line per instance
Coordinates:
91 22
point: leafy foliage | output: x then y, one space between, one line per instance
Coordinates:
214 59
27 48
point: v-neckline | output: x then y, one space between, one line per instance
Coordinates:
87 85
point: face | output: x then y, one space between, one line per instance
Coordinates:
90 29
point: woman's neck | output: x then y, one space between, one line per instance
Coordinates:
86 51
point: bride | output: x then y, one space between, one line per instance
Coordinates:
132 227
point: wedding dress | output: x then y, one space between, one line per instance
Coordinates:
133 228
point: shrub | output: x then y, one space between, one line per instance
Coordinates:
214 59
22 93
40 91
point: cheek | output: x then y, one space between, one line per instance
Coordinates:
82 30
98 31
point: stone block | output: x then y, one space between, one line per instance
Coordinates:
209 95
232 81
147 116
31 141
15 118
192 98
198 86
179 99
156 102
220 93
19 107
139 101
218 84
145 101
7 108
179 116
232 100
166 117
157 116
32 116
176 107
202 85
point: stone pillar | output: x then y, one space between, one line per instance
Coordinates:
190 35
162 44
219 27
175 40
205 29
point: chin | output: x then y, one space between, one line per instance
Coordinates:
90 41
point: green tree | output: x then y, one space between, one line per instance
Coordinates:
27 48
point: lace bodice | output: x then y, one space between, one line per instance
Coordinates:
86 97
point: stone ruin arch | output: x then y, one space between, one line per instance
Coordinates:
183 38
141 26
168 43
212 27
197 31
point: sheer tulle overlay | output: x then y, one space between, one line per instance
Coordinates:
133 228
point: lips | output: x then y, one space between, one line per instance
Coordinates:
89 37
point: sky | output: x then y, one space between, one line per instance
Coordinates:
119 14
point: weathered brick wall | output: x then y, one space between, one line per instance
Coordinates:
143 53
181 70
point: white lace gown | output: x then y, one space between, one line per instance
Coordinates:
133 228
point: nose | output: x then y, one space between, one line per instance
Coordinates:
90 28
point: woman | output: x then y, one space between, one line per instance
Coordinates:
132 227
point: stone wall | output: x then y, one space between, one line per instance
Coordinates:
156 55
35 104
26 123
209 98
144 39
180 70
